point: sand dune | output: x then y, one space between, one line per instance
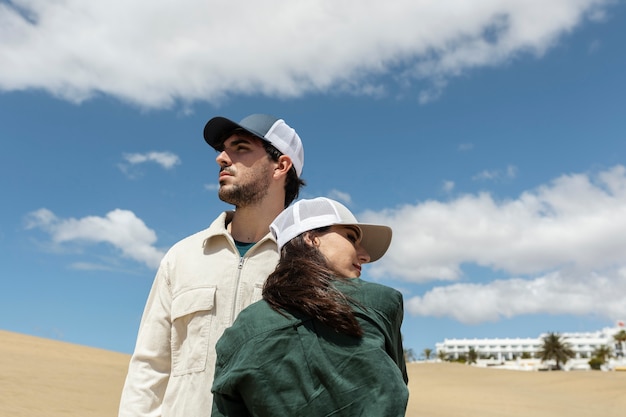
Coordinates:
46 378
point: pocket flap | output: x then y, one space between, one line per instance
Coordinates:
196 299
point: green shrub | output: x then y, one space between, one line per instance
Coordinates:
595 363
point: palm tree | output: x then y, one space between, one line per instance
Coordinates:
409 355
442 355
620 338
472 356
555 347
603 353
427 353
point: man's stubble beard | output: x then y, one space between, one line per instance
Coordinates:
249 193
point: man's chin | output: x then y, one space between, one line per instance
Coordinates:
224 193
231 195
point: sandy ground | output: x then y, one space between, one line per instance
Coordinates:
46 378
449 389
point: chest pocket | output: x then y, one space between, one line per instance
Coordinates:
257 293
192 312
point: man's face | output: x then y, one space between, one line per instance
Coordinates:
245 170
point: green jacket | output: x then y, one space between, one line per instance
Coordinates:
274 365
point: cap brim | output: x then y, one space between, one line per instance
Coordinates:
376 240
217 130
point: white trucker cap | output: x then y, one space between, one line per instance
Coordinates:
263 126
305 215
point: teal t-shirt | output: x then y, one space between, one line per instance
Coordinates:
243 247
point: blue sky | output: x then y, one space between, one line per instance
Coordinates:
490 136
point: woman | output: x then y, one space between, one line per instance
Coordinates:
322 341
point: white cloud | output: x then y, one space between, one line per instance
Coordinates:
486 175
88 266
166 159
341 196
558 249
465 147
576 219
156 53
594 47
510 172
602 295
121 229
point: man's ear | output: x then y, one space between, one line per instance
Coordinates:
283 165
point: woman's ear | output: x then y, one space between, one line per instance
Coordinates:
310 239
283 165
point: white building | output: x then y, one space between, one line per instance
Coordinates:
521 353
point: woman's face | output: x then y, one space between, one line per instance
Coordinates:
341 246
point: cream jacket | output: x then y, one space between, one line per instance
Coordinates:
200 287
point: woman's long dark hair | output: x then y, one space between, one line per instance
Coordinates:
303 281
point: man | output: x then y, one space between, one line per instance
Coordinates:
206 279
